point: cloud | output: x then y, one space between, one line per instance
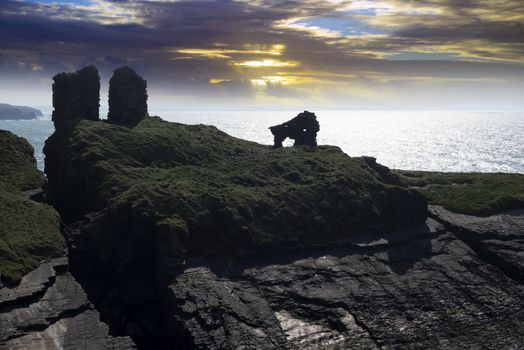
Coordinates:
228 48
280 91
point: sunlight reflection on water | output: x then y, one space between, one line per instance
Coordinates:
437 141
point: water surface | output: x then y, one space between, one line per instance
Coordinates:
436 141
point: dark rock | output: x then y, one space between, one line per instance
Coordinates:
50 310
498 239
127 97
42 306
406 207
414 289
223 314
10 112
303 129
76 95
383 172
236 246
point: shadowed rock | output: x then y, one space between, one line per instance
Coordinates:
76 95
127 97
42 306
303 129
241 247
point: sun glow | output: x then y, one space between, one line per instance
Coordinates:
223 52
266 63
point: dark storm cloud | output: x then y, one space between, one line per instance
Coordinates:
218 47
149 33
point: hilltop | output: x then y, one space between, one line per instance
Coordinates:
8 112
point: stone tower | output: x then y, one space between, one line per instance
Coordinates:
76 95
127 97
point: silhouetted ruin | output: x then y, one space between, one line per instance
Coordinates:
303 129
76 95
127 97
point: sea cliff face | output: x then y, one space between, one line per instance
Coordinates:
187 238
42 306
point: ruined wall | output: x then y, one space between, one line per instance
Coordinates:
76 95
127 97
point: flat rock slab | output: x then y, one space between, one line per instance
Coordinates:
499 239
416 289
34 283
50 310
82 331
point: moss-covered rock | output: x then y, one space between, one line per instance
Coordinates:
220 194
469 193
29 231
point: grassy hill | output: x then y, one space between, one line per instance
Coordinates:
29 231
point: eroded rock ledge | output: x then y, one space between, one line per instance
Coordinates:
50 310
235 245
42 306
416 289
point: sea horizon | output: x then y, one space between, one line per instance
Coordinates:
448 141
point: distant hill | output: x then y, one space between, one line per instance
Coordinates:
18 112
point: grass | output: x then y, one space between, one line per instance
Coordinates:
29 231
469 193
18 167
206 186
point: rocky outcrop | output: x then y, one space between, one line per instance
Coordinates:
498 239
29 231
421 288
10 112
127 97
303 129
42 306
187 238
76 95
50 310
169 187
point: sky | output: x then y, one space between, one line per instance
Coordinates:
305 54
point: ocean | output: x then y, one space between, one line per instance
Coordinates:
460 141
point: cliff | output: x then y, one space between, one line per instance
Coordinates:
8 112
185 237
29 230
41 304
197 183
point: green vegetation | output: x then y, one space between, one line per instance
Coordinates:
18 166
469 193
204 186
29 230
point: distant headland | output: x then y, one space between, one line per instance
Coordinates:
8 112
